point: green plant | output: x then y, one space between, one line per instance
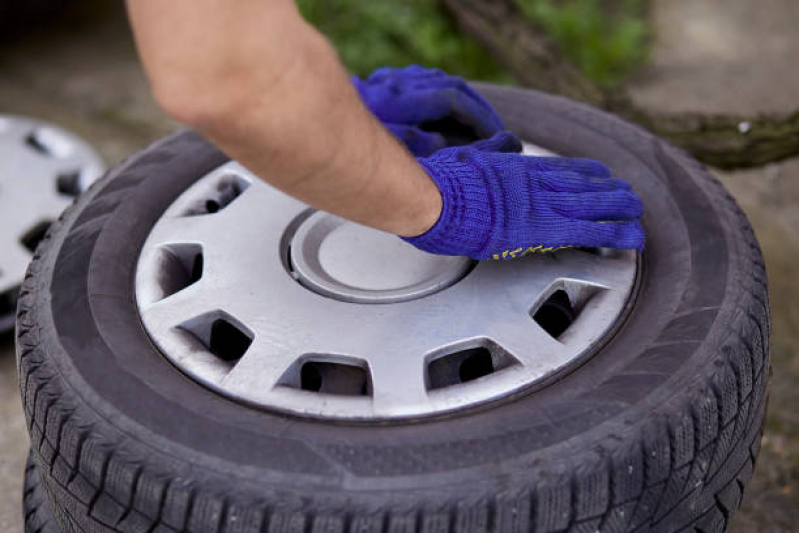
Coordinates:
375 33
606 39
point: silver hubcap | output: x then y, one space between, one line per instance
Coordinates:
43 169
260 298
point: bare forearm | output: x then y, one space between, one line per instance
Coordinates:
269 90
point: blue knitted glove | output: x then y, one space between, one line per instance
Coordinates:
421 143
410 101
500 204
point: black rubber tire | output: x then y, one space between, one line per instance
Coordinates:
658 431
35 507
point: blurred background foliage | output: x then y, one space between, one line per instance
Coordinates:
374 33
605 39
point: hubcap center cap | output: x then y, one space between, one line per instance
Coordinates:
352 263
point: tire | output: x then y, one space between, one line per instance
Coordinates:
658 431
35 507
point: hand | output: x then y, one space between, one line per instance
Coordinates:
408 101
500 204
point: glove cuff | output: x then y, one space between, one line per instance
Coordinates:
463 228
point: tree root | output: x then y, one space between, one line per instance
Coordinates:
725 141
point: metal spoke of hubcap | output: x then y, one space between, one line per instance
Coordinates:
266 301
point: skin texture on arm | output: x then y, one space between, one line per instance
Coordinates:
267 88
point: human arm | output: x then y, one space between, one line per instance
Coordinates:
269 90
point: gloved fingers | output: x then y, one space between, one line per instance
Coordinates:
415 108
576 182
414 95
382 75
503 141
358 83
584 166
434 98
442 81
411 109
597 206
420 143
622 235
410 72
390 82
417 72
414 78
468 108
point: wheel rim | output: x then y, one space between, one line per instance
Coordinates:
44 169
263 300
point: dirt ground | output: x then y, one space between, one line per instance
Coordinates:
709 55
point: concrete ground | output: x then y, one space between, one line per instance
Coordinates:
709 55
